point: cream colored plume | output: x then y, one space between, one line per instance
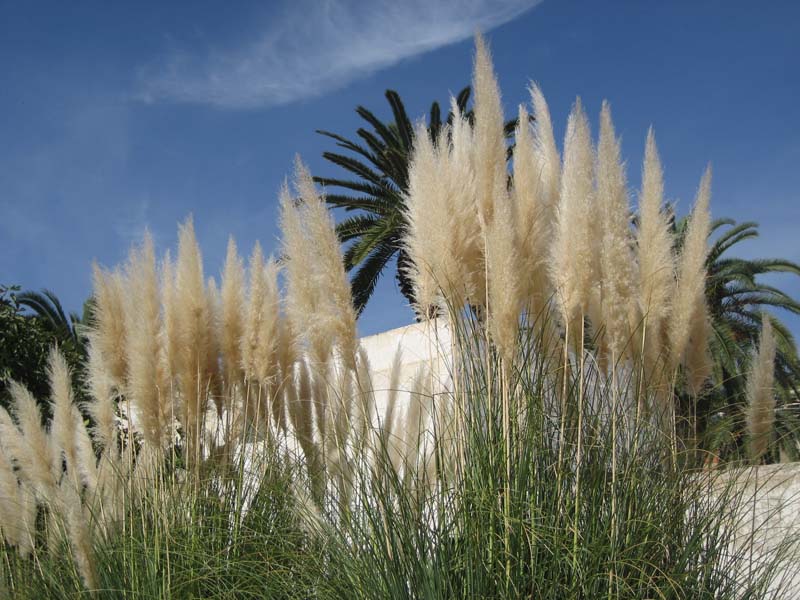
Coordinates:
330 275
689 298
231 324
617 267
260 331
699 362
109 334
315 276
142 322
535 192
75 518
168 333
84 452
529 223
102 406
70 441
35 456
655 256
465 241
443 238
10 529
193 328
302 297
547 159
490 144
504 275
426 213
63 431
574 250
761 393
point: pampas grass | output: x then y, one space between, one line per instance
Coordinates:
535 191
193 329
574 250
109 339
232 295
433 265
10 529
64 429
689 300
335 318
142 320
655 258
503 286
260 331
761 393
490 143
617 267
34 455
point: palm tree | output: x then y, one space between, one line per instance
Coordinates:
32 322
380 162
68 331
737 299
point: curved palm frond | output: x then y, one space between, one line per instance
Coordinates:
47 307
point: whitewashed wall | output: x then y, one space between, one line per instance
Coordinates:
423 346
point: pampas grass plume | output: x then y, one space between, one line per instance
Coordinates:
319 301
9 501
536 177
426 210
301 295
689 297
232 295
142 322
573 253
490 144
109 334
101 405
655 257
617 267
168 333
193 332
35 457
259 332
547 159
761 393
503 269
63 432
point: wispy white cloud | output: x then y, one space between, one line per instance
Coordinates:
311 47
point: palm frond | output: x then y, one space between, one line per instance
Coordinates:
401 119
366 278
382 129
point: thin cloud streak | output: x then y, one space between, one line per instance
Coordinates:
311 48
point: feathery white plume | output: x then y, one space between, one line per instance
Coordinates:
231 327
490 143
574 253
617 267
193 329
761 393
655 257
690 297
142 322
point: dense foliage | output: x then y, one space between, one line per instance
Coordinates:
24 345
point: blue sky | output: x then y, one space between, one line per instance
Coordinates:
119 116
